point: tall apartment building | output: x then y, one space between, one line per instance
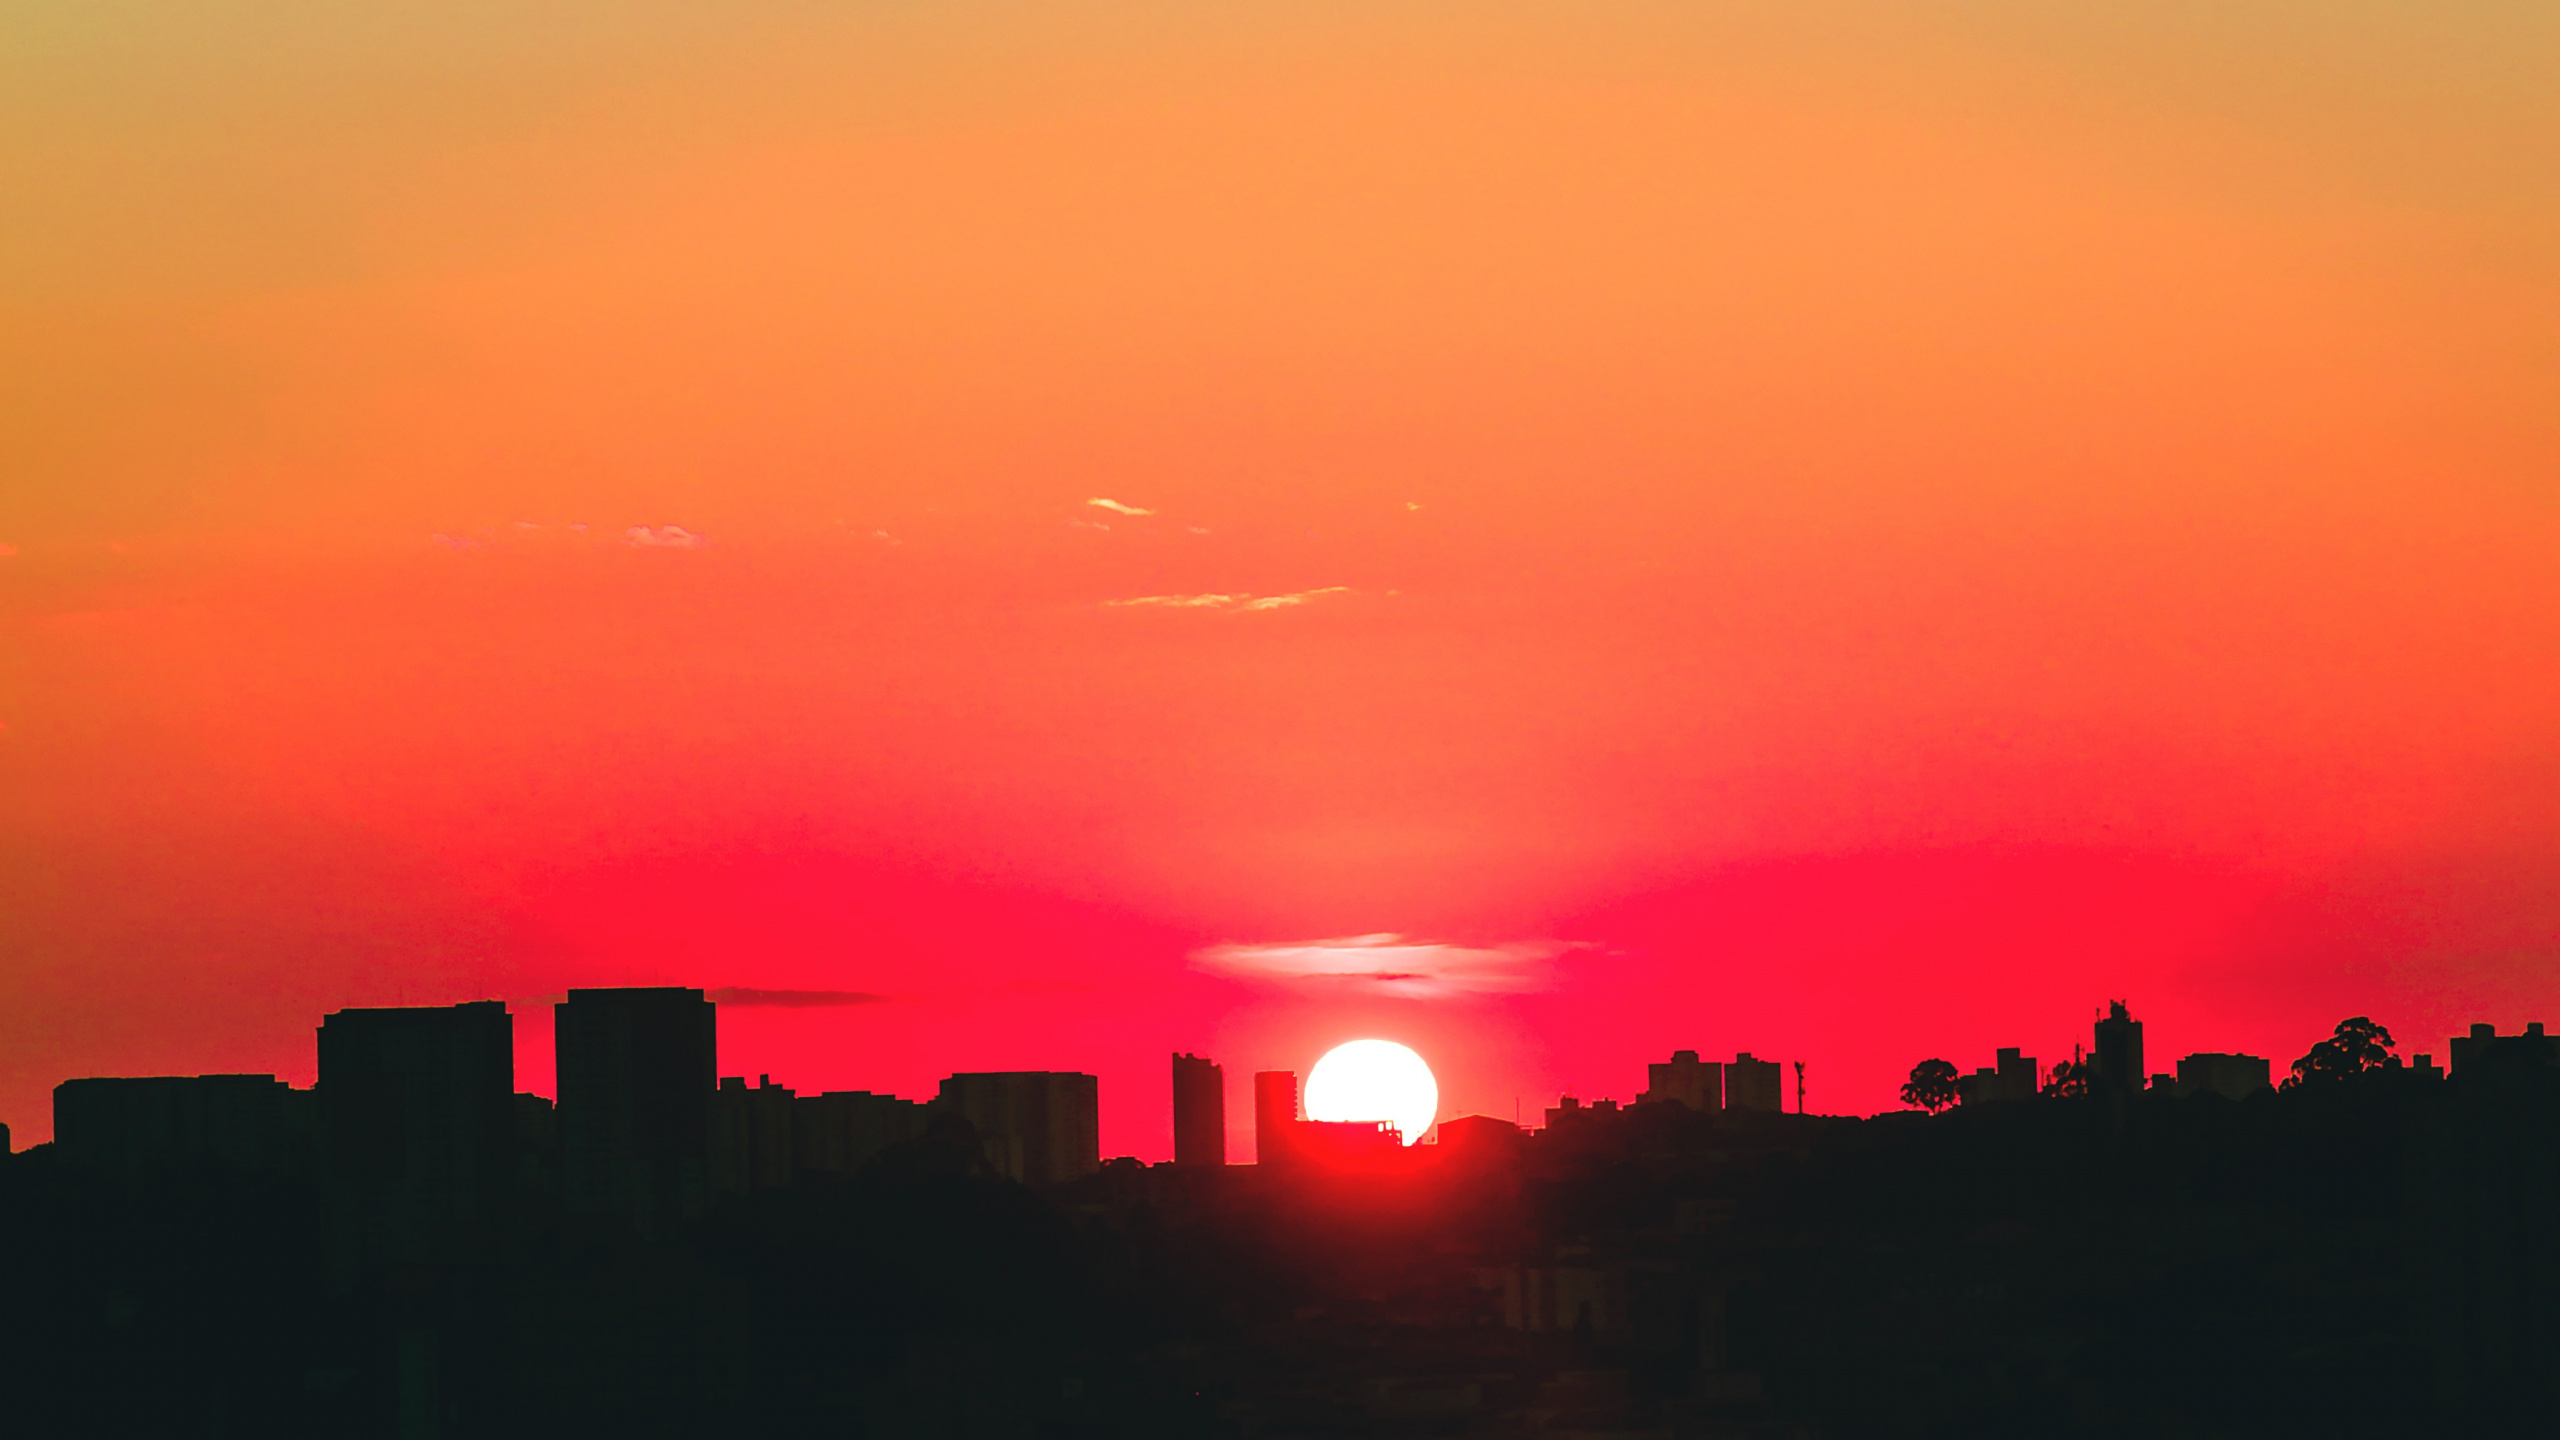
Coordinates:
2116 1059
1199 1112
1751 1084
1041 1127
1275 1115
636 1071
1685 1080
418 1130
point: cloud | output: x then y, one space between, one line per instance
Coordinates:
791 999
1115 507
1181 602
1239 603
454 542
1298 597
1391 964
663 537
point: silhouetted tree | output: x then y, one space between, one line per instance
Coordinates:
2358 1045
1932 1086
2069 1080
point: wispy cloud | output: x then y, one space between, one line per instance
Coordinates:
1391 964
1100 502
1295 597
1181 602
663 537
1238 602
791 999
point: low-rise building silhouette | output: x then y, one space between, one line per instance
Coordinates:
636 1071
1569 1112
1041 1127
1685 1080
2011 1076
751 1139
2485 1043
1199 1111
1472 1135
418 1130
840 1131
2234 1077
249 1123
1751 1084
1343 1144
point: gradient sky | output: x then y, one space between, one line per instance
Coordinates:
1850 531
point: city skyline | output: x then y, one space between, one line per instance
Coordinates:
2112 1060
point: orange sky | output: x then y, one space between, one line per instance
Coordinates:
1815 528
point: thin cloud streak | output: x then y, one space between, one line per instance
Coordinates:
1100 502
1390 964
791 999
1239 604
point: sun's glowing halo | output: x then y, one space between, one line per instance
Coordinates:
1374 1080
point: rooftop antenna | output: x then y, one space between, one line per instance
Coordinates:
1799 1087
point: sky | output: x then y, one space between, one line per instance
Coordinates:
1034 536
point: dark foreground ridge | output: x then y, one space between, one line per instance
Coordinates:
2368 1251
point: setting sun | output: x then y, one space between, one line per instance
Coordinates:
1374 1080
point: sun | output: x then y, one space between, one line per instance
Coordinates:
1374 1080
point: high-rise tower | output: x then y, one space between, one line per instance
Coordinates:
1199 1112
637 1068
1275 1115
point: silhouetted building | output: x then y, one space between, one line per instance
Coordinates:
1578 1129
537 1143
418 1128
636 1070
2116 1059
253 1123
1685 1080
1753 1085
1199 1111
838 1132
1569 1112
1478 1135
2011 1077
2234 1077
751 1142
2484 1042
1275 1115
1041 1127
